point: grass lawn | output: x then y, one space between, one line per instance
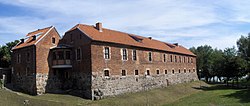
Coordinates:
186 94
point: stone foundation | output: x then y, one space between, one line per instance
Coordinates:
116 85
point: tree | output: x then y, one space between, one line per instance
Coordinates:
5 53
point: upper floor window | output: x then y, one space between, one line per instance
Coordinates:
171 58
123 72
164 57
184 58
18 58
175 58
67 55
134 55
28 57
180 59
106 53
149 56
188 60
71 38
60 55
78 54
53 40
124 54
191 60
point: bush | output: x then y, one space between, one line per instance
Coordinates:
1 83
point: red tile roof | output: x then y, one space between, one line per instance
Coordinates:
28 41
113 36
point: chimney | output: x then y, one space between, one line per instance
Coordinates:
22 40
99 26
150 38
34 37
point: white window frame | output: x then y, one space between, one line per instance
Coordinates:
108 53
125 73
122 54
18 58
137 71
135 55
104 73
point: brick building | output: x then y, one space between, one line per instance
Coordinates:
92 62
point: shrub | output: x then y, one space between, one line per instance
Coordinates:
1 83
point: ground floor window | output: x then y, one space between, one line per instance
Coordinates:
136 72
166 71
123 72
148 72
106 73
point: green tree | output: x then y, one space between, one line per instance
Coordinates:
5 53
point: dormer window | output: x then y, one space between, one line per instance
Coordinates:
53 40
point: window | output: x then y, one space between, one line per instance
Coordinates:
193 70
28 57
188 60
184 70
27 71
106 73
173 71
189 71
136 72
175 58
106 53
166 71
149 56
53 40
123 72
191 60
54 56
164 57
67 55
157 71
184 58
180 59
179 71
71 38
134 55
148 73
78 54
80 36
124 54
18 58
60 55
171 58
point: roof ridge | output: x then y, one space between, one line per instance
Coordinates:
40 29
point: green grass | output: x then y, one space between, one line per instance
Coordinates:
186 94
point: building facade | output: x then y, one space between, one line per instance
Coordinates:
94 62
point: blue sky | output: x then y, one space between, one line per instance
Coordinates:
188 22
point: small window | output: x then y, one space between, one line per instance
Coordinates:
157 71
166 71
179 59
18 58
54 56
171 58
173 71
184 58
53 40
67 55
134 55
164 57
189 70
71 38
106 73
184 70
124 54
191 60
149 56
60 55
28 57
179 71
193 70
188 60
123 72
78 54
175 58
136 72
148 72
106 53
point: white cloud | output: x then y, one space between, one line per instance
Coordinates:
189 22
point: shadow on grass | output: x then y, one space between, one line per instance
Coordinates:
243 94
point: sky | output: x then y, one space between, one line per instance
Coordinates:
190 23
